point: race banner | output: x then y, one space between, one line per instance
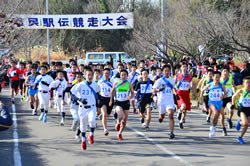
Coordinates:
81 21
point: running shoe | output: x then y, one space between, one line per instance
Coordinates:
62 122
229 123
41 116
106 132
91 139
240 140
142 120
34 112
119 136
212 132
147 128
179 114
134 111
160 120
27 99
208 119
84 145
224 132
181 125
171 136
45 118
238 126
78 138
117 127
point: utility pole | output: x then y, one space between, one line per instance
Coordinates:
48 41
162 21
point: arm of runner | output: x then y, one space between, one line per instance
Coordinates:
238 92
225 92
201 82
156 87
132 91
202 86
27 80
112 94
202 91
234 87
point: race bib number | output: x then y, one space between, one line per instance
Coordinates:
122 96
86 92
184 85
143 88
215 95
167 91
246 102
105 91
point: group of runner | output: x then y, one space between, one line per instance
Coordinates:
97 90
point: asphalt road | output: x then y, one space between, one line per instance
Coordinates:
52 145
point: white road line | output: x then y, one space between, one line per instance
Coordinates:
16 152
165 150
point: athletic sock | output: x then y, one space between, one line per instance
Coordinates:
120 132
78 132
92 130
83 137
63 115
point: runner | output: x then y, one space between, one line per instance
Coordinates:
153 73
22 80
13 73
71 77
133 79
116 77
184 83
42 82
59 85
144 93
106 87
29 82
74 107
26 73
155 78
215 100
165 87
86 93
244 108
228 82
208 80
120 91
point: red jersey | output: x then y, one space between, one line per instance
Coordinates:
71 77
14 73
22 75
26 71
185 85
